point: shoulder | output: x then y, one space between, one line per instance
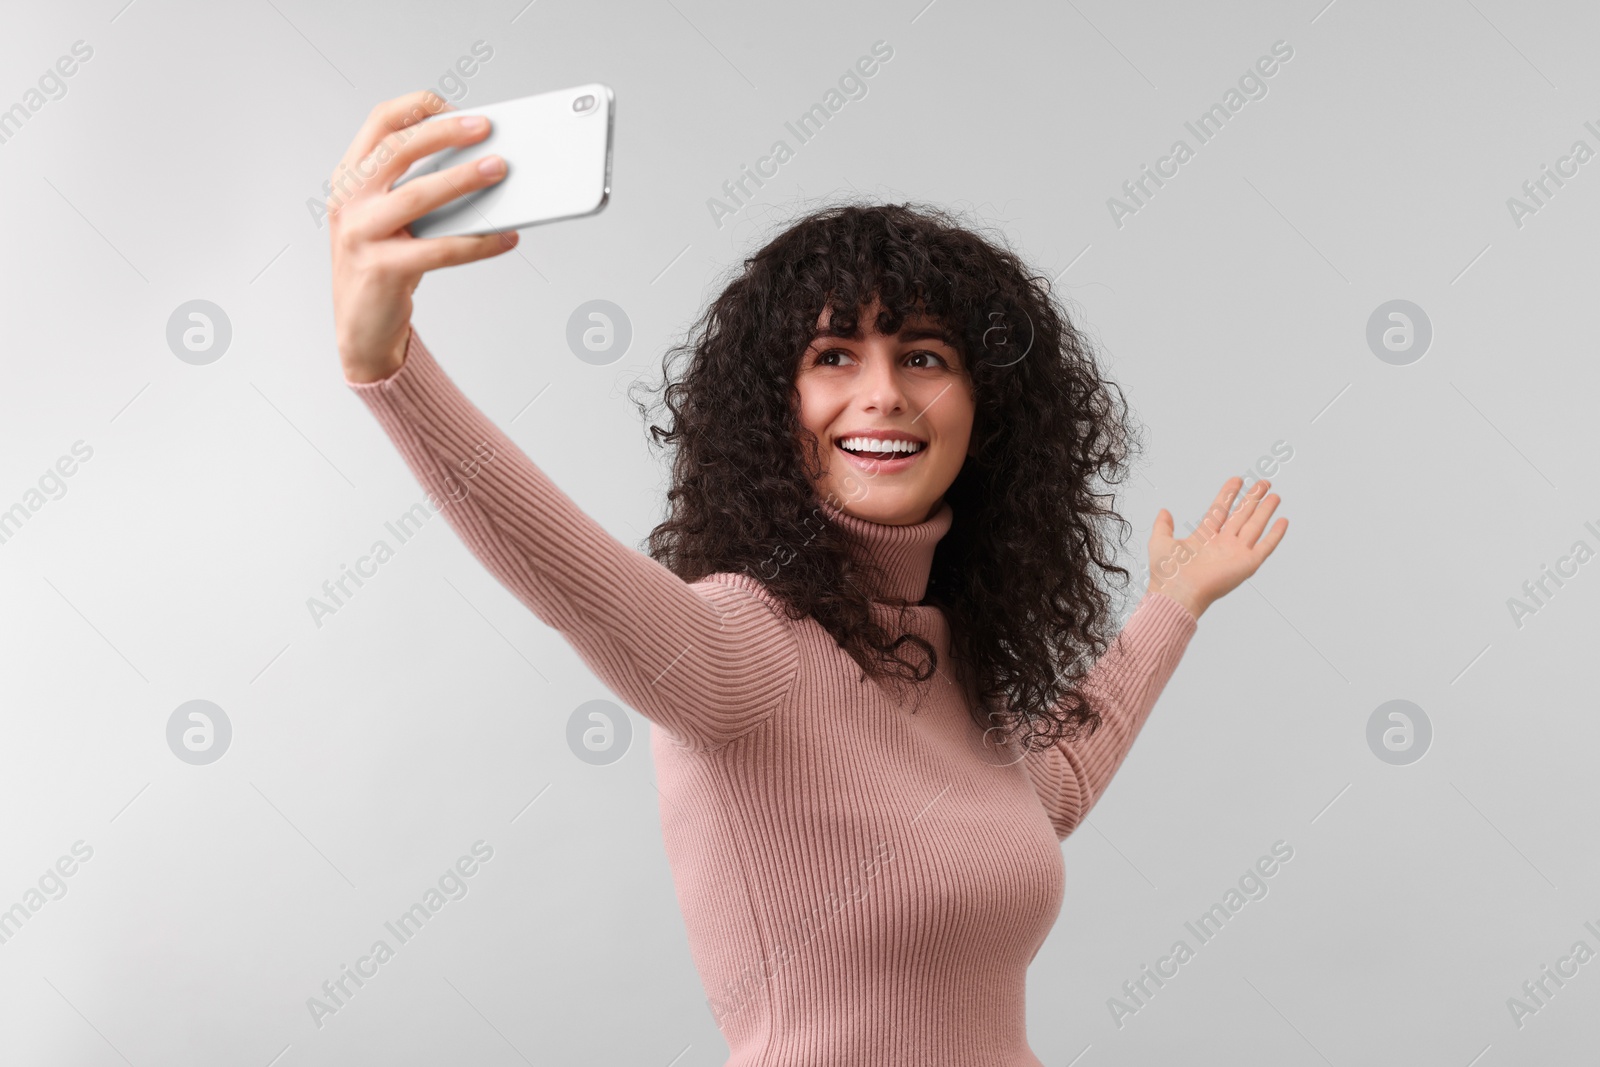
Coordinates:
732 587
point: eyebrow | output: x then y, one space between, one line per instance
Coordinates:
921 333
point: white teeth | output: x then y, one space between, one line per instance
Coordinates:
873 444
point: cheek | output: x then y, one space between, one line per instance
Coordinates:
813 409
952 414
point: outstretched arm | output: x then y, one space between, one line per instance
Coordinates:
708 661
1186 577
1070 777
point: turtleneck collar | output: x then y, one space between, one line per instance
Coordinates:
904 552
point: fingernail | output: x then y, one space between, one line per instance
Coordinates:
491 166
473 122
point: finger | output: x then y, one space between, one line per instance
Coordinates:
387 117
412 144
1270 542
1258 521
366 167
417 197
1163 526
1217 513
1247 506
431 253
376 174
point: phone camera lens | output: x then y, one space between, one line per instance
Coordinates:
583 103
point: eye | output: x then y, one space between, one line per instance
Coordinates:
822 358
924 352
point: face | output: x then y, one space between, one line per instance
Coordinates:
892 416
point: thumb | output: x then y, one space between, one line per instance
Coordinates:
1164 523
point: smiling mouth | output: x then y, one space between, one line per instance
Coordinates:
865 448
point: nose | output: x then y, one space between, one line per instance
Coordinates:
881 387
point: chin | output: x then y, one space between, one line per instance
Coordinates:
896 508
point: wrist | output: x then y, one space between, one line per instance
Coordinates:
364 371
1195 605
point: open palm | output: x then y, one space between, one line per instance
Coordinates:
1222 552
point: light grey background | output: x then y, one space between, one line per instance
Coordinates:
431 711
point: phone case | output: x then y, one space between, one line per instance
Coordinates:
558 163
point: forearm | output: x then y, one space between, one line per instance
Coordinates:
1122 686
701 661
1125 682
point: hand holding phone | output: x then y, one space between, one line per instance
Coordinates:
557 148
379 259
376 262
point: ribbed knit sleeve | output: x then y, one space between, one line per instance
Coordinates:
1123 685
707 661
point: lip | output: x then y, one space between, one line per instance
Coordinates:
881 466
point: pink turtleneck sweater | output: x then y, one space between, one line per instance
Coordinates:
862 880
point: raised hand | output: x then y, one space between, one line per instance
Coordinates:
1222 552
377 264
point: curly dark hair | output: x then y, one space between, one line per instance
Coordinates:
1017 574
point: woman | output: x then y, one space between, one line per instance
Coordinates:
871 632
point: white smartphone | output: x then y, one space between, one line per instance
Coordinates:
557 148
